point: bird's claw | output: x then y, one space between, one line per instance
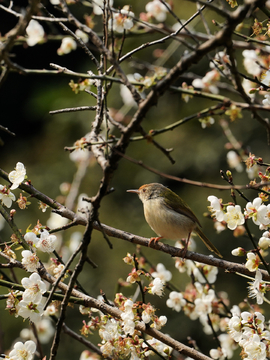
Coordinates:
155 239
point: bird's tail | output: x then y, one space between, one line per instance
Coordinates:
207 242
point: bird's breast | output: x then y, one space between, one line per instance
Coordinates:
166 222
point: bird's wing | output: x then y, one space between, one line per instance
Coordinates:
184 209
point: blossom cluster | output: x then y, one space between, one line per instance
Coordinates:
29 303
251 333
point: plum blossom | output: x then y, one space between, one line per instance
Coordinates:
35 33
265 78
256 288
34 286
46 242
238 252
31 238
161 348
176 301
162 273
17 176
251 60
30 260
98 6
22 351
203 305
252 263
255 348
30 310
206 121
159 322
128 318
207 83
264 241
125 93
252 210
234 217
157 10
82 35
266 100
156 287
234 161
122 21
215 208
6 196
68 44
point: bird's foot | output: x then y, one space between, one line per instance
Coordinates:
184 250
155 239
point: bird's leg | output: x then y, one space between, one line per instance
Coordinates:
184 250
155 239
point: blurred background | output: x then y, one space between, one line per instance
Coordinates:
199 155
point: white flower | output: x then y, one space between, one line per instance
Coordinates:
128 318
126 94
252 262
265 78
205 273
35 33
30 260
251 61
161 348
56 220
58 270
255 348
264 215
234 161
234 217
176 301
156 287
216 354
157 10
207 83
109 331
266 101
256 287
34 286
235 326
264 241
227 345
203 305
216 208
98 6
162 273
17 176
31 238
45 330
160 322
121 21
6 196
46 242
238 252
31 310
82 35
206 121
252 210
68 44
22 351
80 155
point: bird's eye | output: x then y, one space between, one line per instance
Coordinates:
144 190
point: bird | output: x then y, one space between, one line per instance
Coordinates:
169 216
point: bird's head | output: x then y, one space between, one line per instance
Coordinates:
151 191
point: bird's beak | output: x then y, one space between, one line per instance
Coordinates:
133 191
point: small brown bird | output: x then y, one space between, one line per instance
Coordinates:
169 216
